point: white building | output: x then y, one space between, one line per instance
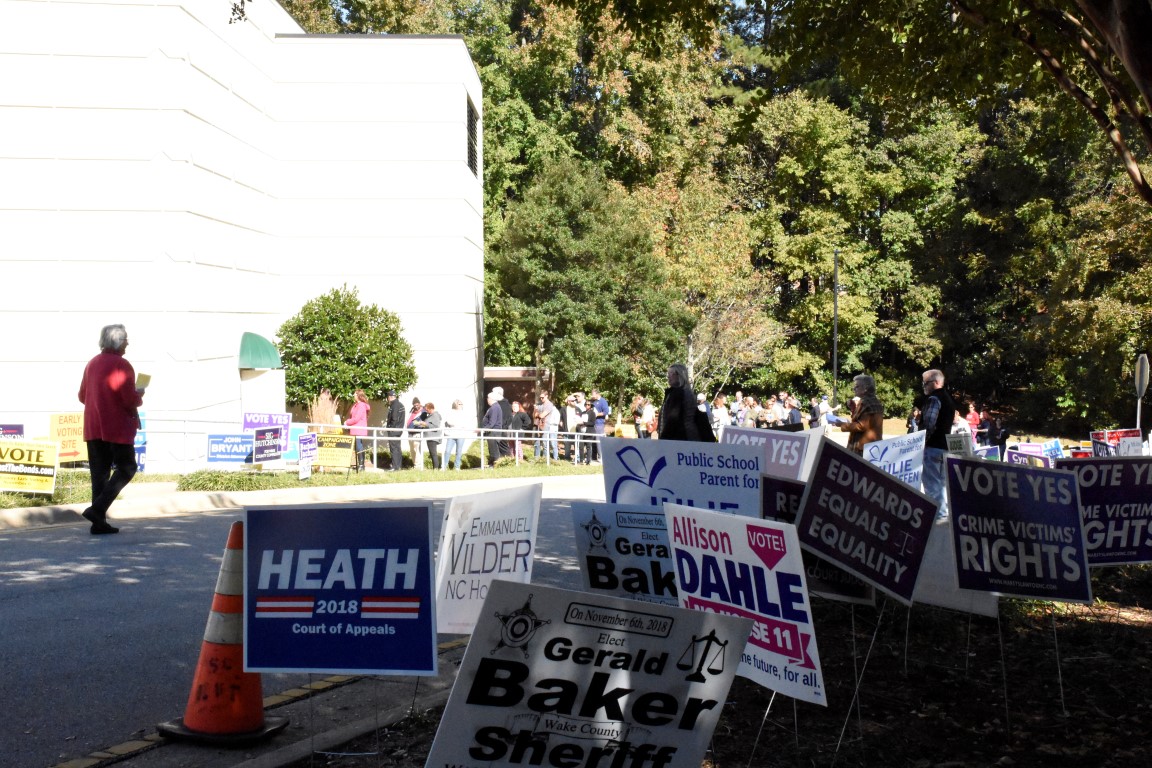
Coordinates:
196 180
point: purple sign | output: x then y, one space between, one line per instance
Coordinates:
266 444
12 431
782 502
1017 531
870 523
1025 459
254 421
1115 507
308 446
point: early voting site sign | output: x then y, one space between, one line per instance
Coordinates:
862 518
28 466
736 566
784 452
485 536
339 588
1115 506
782 503
570 679
704 475
1017 530
623 551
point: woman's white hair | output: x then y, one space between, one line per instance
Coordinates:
113 338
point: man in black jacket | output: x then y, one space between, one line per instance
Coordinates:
936 419
394 421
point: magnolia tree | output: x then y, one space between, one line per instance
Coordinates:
335 342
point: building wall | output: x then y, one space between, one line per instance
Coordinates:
195 179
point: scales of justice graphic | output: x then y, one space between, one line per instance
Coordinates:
709 650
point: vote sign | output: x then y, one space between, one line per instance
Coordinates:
343 589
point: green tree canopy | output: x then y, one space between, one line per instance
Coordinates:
334 341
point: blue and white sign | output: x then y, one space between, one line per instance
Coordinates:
231 449
341 589
308 446
901 456
1017 530
725 478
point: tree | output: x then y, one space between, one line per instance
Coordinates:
576 268
334 341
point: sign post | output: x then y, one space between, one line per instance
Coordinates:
1141 383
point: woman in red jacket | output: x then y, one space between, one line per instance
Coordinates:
108 391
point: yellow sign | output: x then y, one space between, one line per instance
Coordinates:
67 429
27 466
335 450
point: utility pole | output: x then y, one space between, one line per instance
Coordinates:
835 319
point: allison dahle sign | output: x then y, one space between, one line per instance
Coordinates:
566 679
865 520
733 565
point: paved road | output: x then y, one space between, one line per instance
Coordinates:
100 634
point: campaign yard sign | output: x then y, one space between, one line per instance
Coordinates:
782 503
1017 530
28 466
784 452
266 444
704 475
230 449
1115 506
485 536
751 568
623 551
901 456
335 451
254 421
1117 442
567 679
865 520
11 431
339 588
308 446
1026 458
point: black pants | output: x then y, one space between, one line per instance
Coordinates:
397 454
112 466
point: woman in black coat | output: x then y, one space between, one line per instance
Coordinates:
678 415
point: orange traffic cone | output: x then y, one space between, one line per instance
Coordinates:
226 705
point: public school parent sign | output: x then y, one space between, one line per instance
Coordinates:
567 679
867 521
337 588
741 567
704 475
1116 507
1017 530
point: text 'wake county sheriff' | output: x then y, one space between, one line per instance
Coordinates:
342 568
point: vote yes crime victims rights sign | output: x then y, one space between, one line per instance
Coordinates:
28 466
705 475
570 679
485 536
623 551
862 518
1017 530
740 567
339 588
1115 506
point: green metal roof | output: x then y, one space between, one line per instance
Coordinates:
257 352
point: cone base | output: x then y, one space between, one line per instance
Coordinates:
175 729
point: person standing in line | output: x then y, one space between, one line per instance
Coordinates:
521 426
506 418
867 424
415 437
111 417
603 411
458 426
551 426
357 424
936 420
493 424
793 414
914 420
394 422
678 413
429 426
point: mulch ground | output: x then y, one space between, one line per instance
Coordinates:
1044 684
